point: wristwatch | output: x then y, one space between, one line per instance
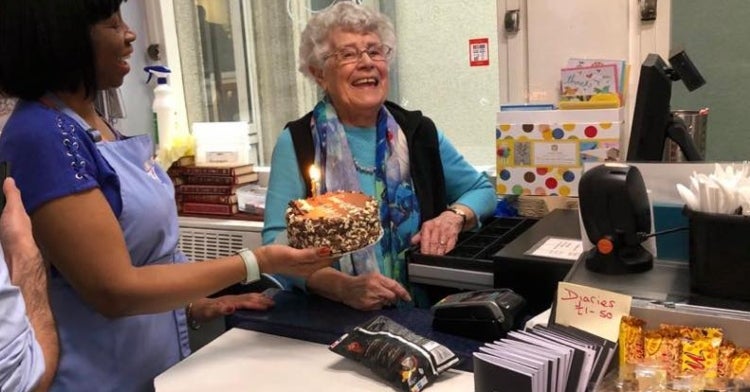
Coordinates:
251 265
459 213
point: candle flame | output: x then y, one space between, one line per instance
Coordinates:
314 173
314 180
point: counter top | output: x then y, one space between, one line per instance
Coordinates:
220 223
316 319
668 282
242 360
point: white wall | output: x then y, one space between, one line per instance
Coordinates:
434 75
136 94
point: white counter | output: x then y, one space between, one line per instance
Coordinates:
242 360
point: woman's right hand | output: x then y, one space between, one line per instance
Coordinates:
283 259
372 291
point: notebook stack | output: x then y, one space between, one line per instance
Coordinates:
543 359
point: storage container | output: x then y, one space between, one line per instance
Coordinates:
719 247
222 143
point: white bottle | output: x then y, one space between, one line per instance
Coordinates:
164 107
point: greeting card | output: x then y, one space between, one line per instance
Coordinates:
587 81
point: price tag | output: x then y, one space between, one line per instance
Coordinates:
592 310
558 248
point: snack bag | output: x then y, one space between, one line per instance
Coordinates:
740 367
631 340
700 351
663 346
405 359
726 352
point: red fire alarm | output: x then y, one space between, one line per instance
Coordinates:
479 52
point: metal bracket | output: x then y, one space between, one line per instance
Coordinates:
512 21
153 52
648 9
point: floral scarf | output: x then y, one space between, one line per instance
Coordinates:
399 208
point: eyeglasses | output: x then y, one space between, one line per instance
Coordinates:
350 55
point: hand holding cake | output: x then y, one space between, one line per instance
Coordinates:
280 259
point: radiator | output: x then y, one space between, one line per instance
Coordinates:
206 238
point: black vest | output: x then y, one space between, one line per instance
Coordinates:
426 168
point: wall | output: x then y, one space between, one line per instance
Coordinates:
136 94
434 75
714 35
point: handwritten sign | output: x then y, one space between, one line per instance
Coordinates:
592 310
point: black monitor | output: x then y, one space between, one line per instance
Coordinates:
653 122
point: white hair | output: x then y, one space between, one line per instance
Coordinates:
347 16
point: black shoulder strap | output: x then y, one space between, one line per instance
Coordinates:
426 167
303 147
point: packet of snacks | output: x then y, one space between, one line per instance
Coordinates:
700 351
407 360
726 352
740 368
664 347
630 342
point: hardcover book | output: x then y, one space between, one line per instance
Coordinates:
221 180
208 198
209 208
217 170
208 189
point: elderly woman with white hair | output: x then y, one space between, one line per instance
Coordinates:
428 193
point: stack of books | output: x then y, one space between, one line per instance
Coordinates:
210 190
543 358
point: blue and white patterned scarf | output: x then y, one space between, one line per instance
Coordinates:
399 208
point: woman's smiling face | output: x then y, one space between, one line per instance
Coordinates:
357 89
112 43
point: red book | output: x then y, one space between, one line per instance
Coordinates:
230 171
208 189
209 208
221 180
208 198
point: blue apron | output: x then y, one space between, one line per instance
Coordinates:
127 353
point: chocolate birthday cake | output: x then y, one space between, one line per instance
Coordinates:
342 221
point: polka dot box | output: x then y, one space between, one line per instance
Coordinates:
542 152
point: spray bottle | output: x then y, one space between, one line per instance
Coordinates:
164 105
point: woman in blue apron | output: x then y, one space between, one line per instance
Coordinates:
103 214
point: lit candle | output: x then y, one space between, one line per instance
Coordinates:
315 180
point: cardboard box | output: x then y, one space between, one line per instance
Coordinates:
542 152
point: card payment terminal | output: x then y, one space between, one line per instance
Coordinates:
483 315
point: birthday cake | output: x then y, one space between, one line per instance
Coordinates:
342 221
